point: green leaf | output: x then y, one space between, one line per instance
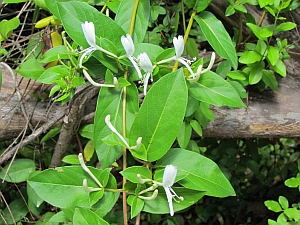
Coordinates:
285 26
137 205
256 73
110 102
202 173
84 216
130 173
16 209
217 36
107 202
191 47
89 150
31 68
57 218
71 159
229 10
51 133
7 26
124 18
13 1
292 182
261 33
19 171
239 88
270 79
159 128
207 111
35 203
250 57
292 213
87 131
214 90
55 185
73 13
236 75
283 202
196 127
190 198
184 134
273 206
280 68
58 52
273 54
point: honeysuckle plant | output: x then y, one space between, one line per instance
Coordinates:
150 125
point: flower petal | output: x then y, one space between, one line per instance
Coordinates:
178 45
169 197
169 175
89 33
145 62
128 44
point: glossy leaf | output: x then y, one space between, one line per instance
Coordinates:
217 36
58 52
270 79
124 18
84 216
273 55
159 128
250 57
51 133
31 68
256 73
87 131
136 204
62 187
202 173
184 134
196 127
190 198
53 74
131 173
73 13
261 33
273 206
215 90
283 202
89 150
280 68
15 211
71 159
236 75
19 171
285 26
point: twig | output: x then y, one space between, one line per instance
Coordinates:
7 154
71 123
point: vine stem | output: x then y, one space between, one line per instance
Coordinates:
132 22
186 35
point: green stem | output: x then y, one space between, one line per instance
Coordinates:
132 22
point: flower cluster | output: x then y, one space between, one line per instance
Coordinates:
142 61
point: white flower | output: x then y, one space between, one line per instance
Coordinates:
178 45
129 48
128 44
89 33
146 65
88 29
167 183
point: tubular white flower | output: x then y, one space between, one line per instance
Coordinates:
88 29
178 45
113 129
146 65
86 169
89 33
152 197
129 48
88 77
167 183
145 62
128 44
